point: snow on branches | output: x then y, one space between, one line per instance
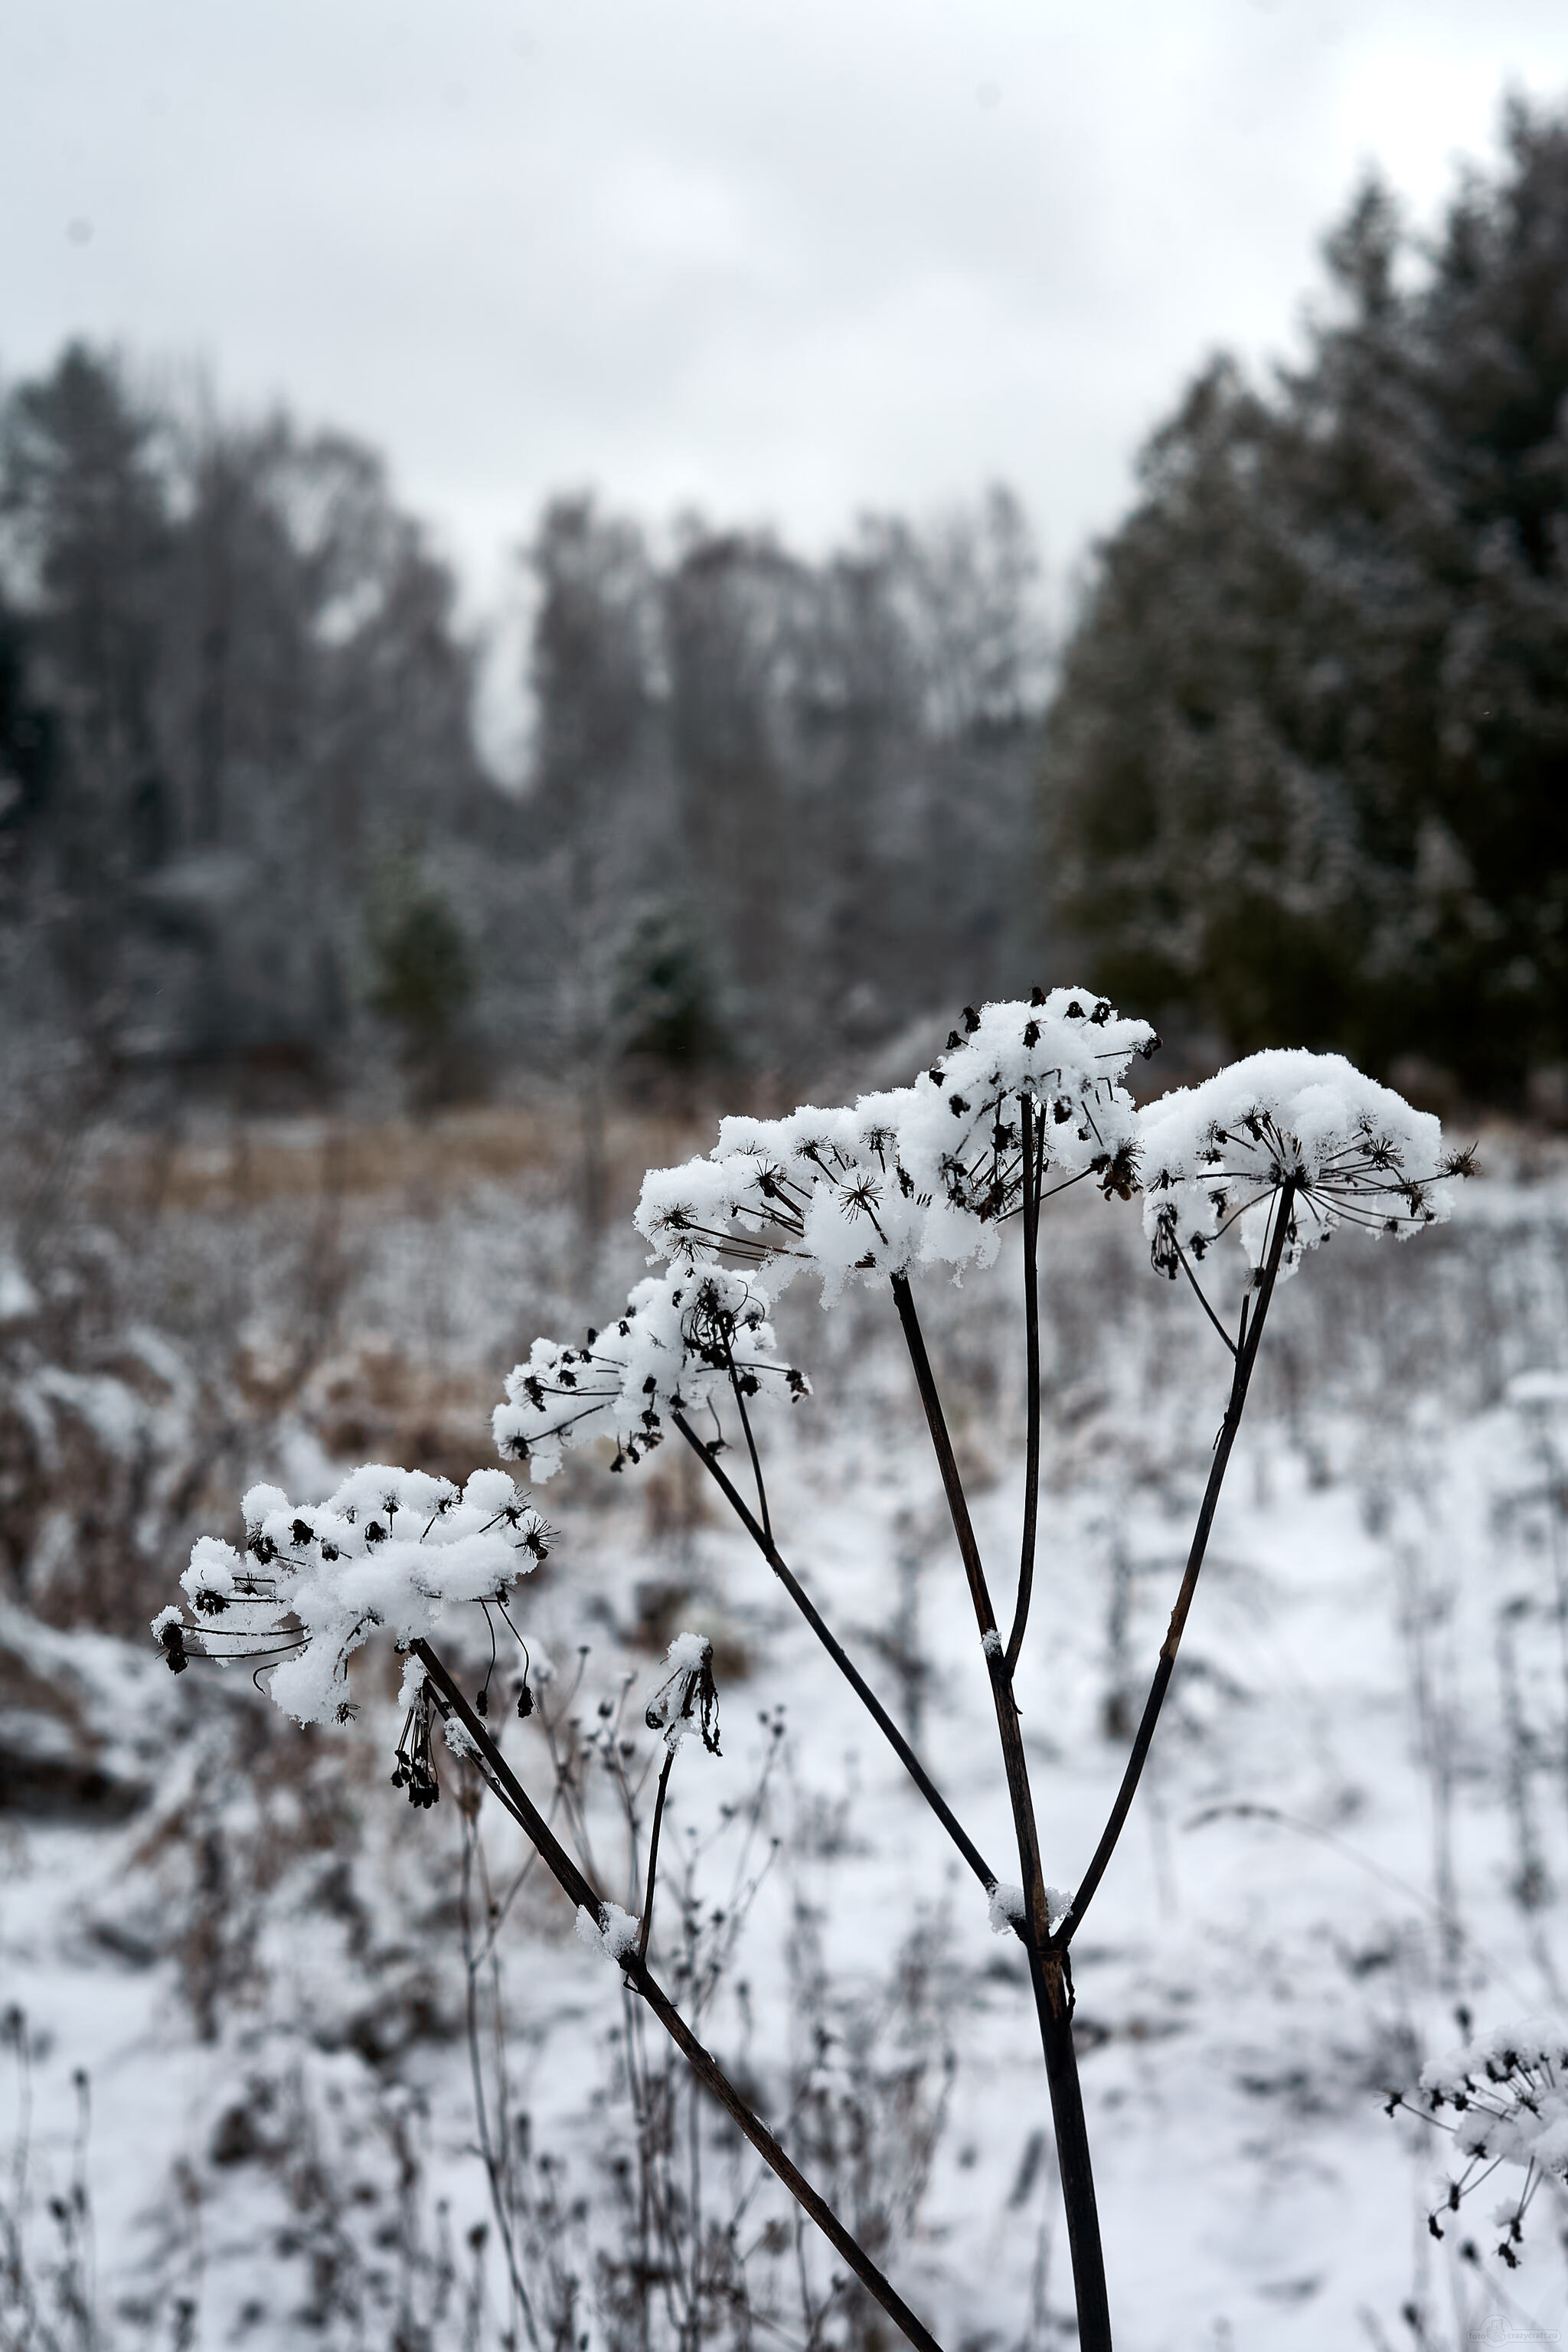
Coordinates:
1218 1155
1507 2092
684 1335
389 1550
921 1175
614 1933
1007 1908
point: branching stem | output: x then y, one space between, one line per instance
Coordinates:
1049 1972
751 1440
578 1891
1031 1375
841 1658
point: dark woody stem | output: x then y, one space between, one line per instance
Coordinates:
751 1440
634 1967
1249 1336
1032 1374
1049 1974
841 1658
653 1855
1201 1295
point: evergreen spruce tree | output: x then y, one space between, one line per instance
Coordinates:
1307 771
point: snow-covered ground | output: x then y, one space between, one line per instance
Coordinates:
1355 1825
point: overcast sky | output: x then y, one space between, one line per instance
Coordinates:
779 259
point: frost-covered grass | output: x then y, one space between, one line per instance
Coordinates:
1355 1820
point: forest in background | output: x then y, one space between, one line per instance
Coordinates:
250 852
773 806
1299 770
1308 769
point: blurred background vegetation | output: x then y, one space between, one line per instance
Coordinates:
1296 771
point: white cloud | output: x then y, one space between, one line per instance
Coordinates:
771 259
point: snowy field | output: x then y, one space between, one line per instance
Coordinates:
238 2103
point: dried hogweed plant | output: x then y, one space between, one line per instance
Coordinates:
1027 1101
1503 2101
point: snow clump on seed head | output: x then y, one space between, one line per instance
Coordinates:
923 1174
682 1336
1508 2093
389 1551
1353 1151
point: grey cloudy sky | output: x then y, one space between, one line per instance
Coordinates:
780 259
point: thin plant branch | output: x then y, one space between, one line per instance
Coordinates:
1249 1336
653 1855
1031 1176
1248 1811
580 1892
985 1616
751 1440
1201 1296
1050 1974
499 2204
841 1659
1067 1184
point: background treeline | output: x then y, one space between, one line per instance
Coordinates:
773 805
1299 771
1308 767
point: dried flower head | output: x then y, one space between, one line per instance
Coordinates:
1217 1156
922 1175
413 1767
388 1552
684 1336
687 1701
1507 2093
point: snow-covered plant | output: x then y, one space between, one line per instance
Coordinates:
1026 1100
922 1175
390 1550
683 1337
1219 1156
1504 2099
